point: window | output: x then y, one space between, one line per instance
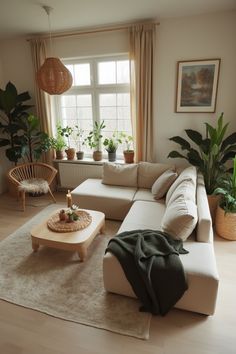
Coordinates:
100 91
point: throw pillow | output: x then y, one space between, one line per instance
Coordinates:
163 183
120 175
148 172
189 173
180 218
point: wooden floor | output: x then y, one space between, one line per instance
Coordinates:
24 331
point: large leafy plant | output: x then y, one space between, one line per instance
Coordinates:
12 109
227 190
208 154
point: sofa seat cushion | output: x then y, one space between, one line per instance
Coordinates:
113 201
200 268
145 195
144 215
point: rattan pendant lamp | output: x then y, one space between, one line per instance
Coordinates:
53 77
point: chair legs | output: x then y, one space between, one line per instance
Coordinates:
22 196
50 192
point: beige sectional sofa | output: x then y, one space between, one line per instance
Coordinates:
125 193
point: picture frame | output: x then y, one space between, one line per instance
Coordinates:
197 85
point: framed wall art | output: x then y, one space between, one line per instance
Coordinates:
197 83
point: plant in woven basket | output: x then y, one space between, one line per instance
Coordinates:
227 191
209 154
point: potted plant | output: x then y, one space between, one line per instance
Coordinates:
93 140
225 222
128 152
208 154
12 109
67 133
79 133
111 145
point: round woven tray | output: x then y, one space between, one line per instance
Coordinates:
55 224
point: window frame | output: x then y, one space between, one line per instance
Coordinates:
94 89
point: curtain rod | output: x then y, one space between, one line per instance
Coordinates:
90 31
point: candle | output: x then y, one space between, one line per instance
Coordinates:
69 199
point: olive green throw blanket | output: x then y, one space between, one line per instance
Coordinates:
151 263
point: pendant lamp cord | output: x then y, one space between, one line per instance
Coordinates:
48 10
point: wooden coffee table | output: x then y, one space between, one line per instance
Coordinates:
72 241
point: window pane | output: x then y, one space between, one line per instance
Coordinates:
123 112
82 74
84 101
107 99
84 113
68 101
108 113
123 99
69 113
71 69
123 72
107 72
110 125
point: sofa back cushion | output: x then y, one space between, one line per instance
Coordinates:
148 173
163 183
180 218
120 175
188 174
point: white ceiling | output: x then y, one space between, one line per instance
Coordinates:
24 17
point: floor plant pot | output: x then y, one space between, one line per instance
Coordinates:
128 156
225 224
80 155
112 156
70 153
97 155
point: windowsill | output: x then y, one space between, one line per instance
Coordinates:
87 160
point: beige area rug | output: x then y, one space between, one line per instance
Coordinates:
56 283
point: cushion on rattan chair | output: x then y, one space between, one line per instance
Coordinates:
34 185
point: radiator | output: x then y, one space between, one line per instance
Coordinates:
71 174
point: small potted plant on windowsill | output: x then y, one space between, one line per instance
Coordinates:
79 133
67 132
128 152
111 145
94 138
57 144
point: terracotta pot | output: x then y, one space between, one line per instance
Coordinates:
70 153
225 224
128 156
59 154
97 155
213 203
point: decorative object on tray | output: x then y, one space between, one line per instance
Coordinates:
69 220
69 199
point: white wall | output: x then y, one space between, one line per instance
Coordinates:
199 37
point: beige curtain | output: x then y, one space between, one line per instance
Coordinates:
42 99
142 41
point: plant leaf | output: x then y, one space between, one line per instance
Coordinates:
184 144
195 136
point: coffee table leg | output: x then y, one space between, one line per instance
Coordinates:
35 246
82 253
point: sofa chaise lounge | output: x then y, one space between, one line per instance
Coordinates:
126 193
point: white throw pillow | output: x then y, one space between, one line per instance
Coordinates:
148 172
120 175
163 183
189 173
180 218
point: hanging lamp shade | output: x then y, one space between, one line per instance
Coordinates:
53 77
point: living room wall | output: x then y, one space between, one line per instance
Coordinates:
197 37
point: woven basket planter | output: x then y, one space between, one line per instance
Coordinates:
225 224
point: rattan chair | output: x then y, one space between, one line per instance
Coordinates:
33 177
